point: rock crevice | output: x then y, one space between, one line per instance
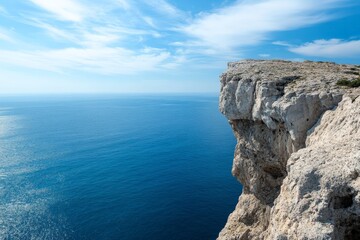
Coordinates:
290 120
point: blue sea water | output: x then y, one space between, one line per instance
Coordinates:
127 167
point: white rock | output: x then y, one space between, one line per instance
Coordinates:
285 142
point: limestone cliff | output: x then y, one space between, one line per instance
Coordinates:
298 150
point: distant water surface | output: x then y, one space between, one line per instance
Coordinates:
115 167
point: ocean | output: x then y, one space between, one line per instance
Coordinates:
127 167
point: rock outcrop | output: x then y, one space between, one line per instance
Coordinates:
298 150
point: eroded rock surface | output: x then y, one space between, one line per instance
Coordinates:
298 152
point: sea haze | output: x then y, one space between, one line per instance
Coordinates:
127 167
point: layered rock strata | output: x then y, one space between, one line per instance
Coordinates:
298 150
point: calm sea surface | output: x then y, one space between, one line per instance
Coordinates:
115 167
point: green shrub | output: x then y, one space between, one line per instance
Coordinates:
352 72
355 83
345 82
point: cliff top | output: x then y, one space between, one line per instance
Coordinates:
300 77
279 92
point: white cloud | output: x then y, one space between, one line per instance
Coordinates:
282 43
53 31
102 60
108 38
92 24
4 37
250 22
68 10
90 34
99 38
329 48
124 4
149 21
164 7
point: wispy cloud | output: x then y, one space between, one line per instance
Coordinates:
250 22
282 43
68 10
333 48
111 24
98 60
124 4
6 35
51 30
164 7
114 39
91 34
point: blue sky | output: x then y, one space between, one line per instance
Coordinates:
84 46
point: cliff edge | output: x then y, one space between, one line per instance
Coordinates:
298 150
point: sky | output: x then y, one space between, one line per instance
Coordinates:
162 46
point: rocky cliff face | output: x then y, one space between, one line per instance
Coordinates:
298 150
